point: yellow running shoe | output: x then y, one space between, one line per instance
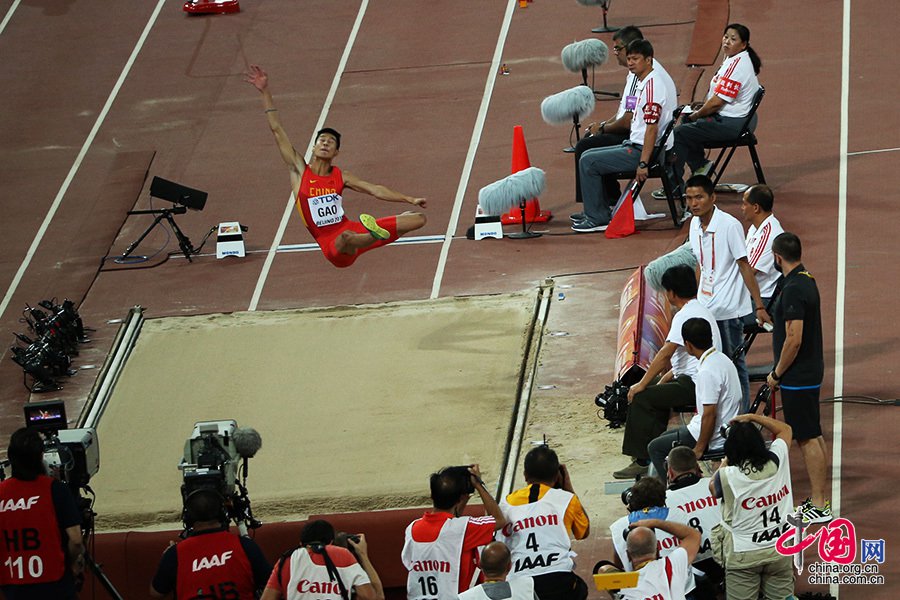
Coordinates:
377 231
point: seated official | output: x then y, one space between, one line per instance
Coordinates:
649 403
729 101
717 393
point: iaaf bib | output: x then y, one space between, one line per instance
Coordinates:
32 550
761 506
536 534
434 566
319 199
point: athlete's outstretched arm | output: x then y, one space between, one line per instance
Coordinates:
260 80
379 191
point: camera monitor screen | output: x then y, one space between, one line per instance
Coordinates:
46 416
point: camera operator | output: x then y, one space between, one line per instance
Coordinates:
755 486
540 518
212 562
42 551
659 577
645 500
319 570
689 491
441 547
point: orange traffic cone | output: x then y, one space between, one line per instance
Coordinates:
622 223
520 162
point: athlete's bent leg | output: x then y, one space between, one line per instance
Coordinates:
410 221
348 242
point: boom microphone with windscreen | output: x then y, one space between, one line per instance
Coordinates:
578 56
573 104
498 197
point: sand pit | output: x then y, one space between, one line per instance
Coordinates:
356 405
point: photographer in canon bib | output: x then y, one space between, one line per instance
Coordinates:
42 552
441 547
689 491
212 562
754 484
319 570
541 519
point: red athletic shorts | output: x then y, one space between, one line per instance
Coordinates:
327 236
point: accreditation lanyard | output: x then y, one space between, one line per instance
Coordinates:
707 276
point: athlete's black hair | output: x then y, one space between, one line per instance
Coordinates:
330 131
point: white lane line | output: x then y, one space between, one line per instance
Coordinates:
9 15
420 239
473 148
837 425
273 249
78 160
872 151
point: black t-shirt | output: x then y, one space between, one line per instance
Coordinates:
68 514
799 301
165 579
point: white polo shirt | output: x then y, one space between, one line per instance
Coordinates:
721 288
629 95
735 82
682 362
717 382
655 104
759 254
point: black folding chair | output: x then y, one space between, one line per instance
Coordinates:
744 138
656 167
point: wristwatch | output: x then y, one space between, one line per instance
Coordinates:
642 165
775 376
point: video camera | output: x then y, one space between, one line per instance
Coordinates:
70 455
216 457
613 403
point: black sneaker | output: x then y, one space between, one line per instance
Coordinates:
575 217
588 226
813 514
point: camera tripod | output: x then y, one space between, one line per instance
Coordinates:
183 242
87 534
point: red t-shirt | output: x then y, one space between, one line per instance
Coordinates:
479 531
213 564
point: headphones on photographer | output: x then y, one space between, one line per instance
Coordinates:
189 511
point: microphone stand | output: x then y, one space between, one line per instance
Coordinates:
525 234
605 28
576 125
596 92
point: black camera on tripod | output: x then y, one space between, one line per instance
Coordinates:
48 356
216 457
